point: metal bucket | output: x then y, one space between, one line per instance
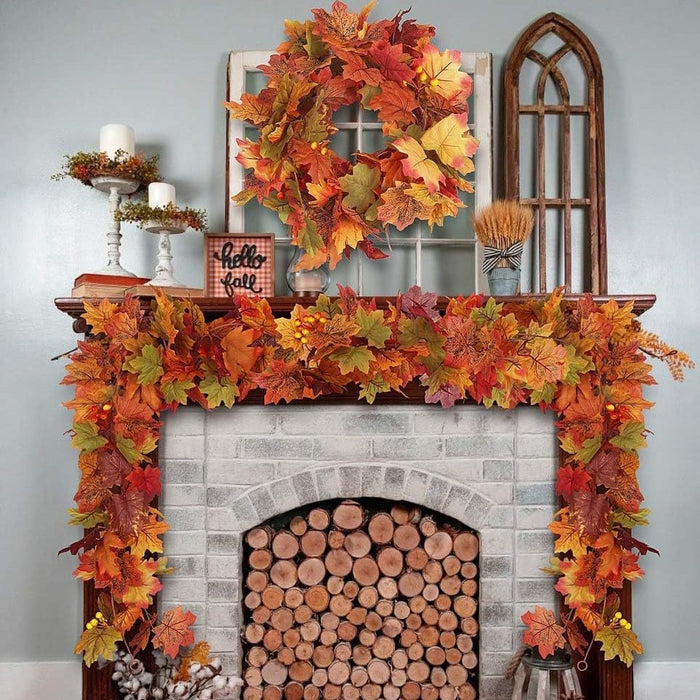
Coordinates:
503 281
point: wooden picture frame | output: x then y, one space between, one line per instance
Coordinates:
239 263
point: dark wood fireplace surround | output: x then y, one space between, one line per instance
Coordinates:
610 680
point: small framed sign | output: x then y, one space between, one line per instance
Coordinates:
239 263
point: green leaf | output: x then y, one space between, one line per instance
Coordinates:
487 313
133 454
352 358
314 46
86 437
586 451
630 437
577 365
631 520
175 391
86 520
419 331
359 186
217 392
308 238
370 390
147 365
372 327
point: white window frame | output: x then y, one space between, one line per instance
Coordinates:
476 64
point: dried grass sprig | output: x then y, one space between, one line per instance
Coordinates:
503 222
677 360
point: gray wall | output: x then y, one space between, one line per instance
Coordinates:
68 67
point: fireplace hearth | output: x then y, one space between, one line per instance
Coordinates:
226 473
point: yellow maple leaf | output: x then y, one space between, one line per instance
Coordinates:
147 537
619 641
98 642
97 315
435 205
569 535
417 164
445 67
451 140
347 232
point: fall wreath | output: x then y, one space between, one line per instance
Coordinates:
331 204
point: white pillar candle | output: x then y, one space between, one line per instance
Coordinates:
160 194
117 137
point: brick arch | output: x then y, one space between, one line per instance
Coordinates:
393 481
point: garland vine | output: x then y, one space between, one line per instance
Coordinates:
87 166
584 361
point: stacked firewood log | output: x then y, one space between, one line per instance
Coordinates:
347 603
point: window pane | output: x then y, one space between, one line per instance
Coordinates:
392 275
448 269
255 81
347 113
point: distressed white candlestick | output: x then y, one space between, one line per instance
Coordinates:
117 137
116 187
164 269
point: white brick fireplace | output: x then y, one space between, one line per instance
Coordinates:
227 471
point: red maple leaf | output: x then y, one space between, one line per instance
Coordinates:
146 480
570 480
174 631
543 631
591 510
284 382
127 510
416 304
388 58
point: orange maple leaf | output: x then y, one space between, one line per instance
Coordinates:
543 631
174 631
400 209
239 354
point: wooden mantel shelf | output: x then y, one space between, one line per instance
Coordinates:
214 307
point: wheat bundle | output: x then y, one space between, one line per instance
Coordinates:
503 222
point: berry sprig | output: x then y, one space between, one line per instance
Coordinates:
308 324
621 622
96 621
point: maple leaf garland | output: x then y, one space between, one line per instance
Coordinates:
420 94
504 354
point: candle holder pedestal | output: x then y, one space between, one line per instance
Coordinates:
116 186
164 268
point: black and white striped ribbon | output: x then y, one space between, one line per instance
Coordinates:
512 254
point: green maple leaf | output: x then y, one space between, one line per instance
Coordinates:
86 437
314 45
98 642
131 452
359 186
630 437
576 365
620 642
308 238
370 390
217 392
147 365
372 327
631 520
419 331
86 520
315 124
546 394
176 390
352 358
489 312
586 451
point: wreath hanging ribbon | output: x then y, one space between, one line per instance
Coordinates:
513 255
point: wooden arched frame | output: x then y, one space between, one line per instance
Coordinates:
593 199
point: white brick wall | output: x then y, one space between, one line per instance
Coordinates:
227 471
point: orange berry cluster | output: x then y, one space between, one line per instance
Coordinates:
307 324
315 145
98 413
